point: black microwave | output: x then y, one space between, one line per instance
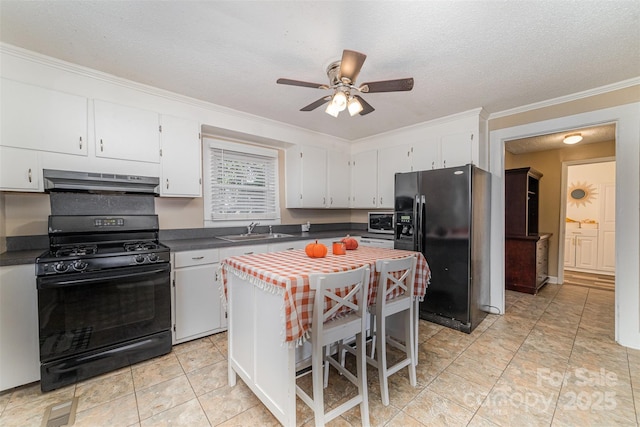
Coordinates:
380 222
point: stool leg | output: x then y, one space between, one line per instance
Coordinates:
325 381
361 366
381 348
372 331
409 345
317 379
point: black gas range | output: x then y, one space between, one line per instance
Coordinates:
84 243
104 296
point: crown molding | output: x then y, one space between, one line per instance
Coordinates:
567 98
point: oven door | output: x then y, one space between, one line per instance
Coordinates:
82 312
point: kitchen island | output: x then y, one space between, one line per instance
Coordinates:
270 308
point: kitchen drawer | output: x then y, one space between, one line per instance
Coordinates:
243 250
197 257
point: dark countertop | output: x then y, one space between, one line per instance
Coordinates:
179 245
187 244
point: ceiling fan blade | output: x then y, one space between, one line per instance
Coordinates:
351 64
366 107
301 83
398 85
316 104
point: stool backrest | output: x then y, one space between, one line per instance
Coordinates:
397 278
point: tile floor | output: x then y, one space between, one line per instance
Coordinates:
550 360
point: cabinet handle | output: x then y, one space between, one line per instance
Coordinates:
29 175
380 201
444 163
433 165
331 201
167 183
81 143
101 146
324 201
197 257
373 201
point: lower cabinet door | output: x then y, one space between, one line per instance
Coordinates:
197 302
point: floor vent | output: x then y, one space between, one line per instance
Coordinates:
60 414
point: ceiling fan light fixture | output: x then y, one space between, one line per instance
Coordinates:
339 100
354 106
332 110
573 138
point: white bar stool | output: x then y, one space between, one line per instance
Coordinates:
335 291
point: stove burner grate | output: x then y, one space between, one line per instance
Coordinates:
81 250
140 246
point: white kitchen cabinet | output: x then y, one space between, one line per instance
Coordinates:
126 133
19 170
19 348
338 179
181 160
197 305
391 160
42 119
607 251
364 182
306 177
444 151
582 247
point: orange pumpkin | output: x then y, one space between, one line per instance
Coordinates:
350 243
316 250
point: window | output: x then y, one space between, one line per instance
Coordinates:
242 184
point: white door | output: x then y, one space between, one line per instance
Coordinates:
181 157
314 177
390 161
587 252
197 301
607 231
456 149
43 119
426 154
19 170
569 251
126 133
364 190
338 179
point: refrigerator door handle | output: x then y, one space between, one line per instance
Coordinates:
419 206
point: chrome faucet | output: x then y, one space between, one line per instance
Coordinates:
251 226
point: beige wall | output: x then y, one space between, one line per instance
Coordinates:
549 163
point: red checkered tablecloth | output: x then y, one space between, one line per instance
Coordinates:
287 273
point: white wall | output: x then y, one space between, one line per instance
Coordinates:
627 291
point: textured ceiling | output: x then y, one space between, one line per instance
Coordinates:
552 141
463 55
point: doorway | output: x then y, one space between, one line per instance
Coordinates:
588 198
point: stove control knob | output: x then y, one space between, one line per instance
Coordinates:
79 265
153 257
139 259
60 267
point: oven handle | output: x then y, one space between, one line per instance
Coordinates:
102 277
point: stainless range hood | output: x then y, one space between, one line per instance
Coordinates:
56 180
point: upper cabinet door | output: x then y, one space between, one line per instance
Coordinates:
126 133
181 158
338 179
306 177
456 149
426 154
364 180
42 119
391 161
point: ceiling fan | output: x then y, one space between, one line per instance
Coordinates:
342 80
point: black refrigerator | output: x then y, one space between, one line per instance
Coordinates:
445 214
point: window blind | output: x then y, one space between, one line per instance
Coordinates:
243 185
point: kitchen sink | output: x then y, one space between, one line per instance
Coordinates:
253 236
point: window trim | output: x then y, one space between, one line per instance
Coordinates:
212 143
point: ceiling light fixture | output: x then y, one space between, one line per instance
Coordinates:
354 106
573 138
342 100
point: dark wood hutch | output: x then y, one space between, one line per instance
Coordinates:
526 250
